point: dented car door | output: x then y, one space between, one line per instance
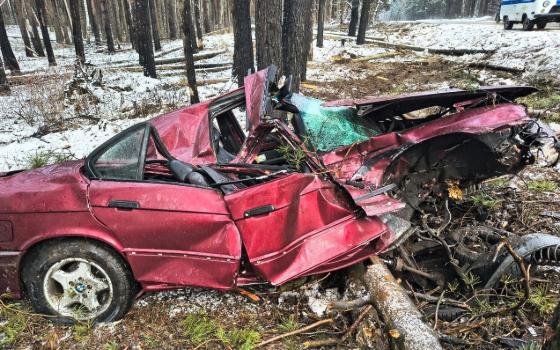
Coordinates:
299 223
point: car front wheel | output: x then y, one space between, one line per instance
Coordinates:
78 280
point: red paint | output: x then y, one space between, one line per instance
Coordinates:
183 235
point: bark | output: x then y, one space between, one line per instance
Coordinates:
93 23
41 17
320 23
22 28
35 36
58 30
208 21
4 86
354 14
294 47
308 38
155 26
65 18
114 15
107 24
123 20
144 37
192 26
77 30
197 23
188 45
268 33
129 24
83 19
243 44
171 7
397 310
7 53
364 18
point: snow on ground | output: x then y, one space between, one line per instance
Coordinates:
535 51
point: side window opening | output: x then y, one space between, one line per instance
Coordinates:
122 160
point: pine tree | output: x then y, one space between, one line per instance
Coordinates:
154 25
364 18
188 48
268 33
107 25
6 48
354 14
143 35
320 22
77 30
243 43
42 18
294 45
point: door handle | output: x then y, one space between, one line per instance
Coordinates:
265 209
128 205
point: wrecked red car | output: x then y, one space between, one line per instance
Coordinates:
189 199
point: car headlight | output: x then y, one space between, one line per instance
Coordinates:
546 3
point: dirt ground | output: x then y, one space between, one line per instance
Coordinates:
202 319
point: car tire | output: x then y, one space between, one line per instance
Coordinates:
527 24
507 24
541 25
78 280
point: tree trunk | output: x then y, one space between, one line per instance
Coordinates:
41 17
7 53
171 7
23 28
192 32
64 16
35 36
188 45
93 23
308 38
116 25
143 35
268 33
57 23
83 19
107 21
243 44
199 42
4 86
364 18
77 30
208 19
294 46
129 24
320 22
155 25
354 14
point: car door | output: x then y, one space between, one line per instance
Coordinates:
297 224
173 233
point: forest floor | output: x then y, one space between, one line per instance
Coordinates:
40 124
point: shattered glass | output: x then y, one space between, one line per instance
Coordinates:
330 127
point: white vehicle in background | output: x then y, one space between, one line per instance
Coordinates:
529 13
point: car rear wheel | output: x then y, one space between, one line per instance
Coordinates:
507 24
528 24
77 280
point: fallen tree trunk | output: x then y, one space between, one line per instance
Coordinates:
197 57
408 331
382 43
206 67
496 67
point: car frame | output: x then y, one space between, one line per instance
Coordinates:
185 199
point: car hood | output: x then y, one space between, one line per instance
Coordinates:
59 187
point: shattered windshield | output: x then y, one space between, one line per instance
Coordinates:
327 128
